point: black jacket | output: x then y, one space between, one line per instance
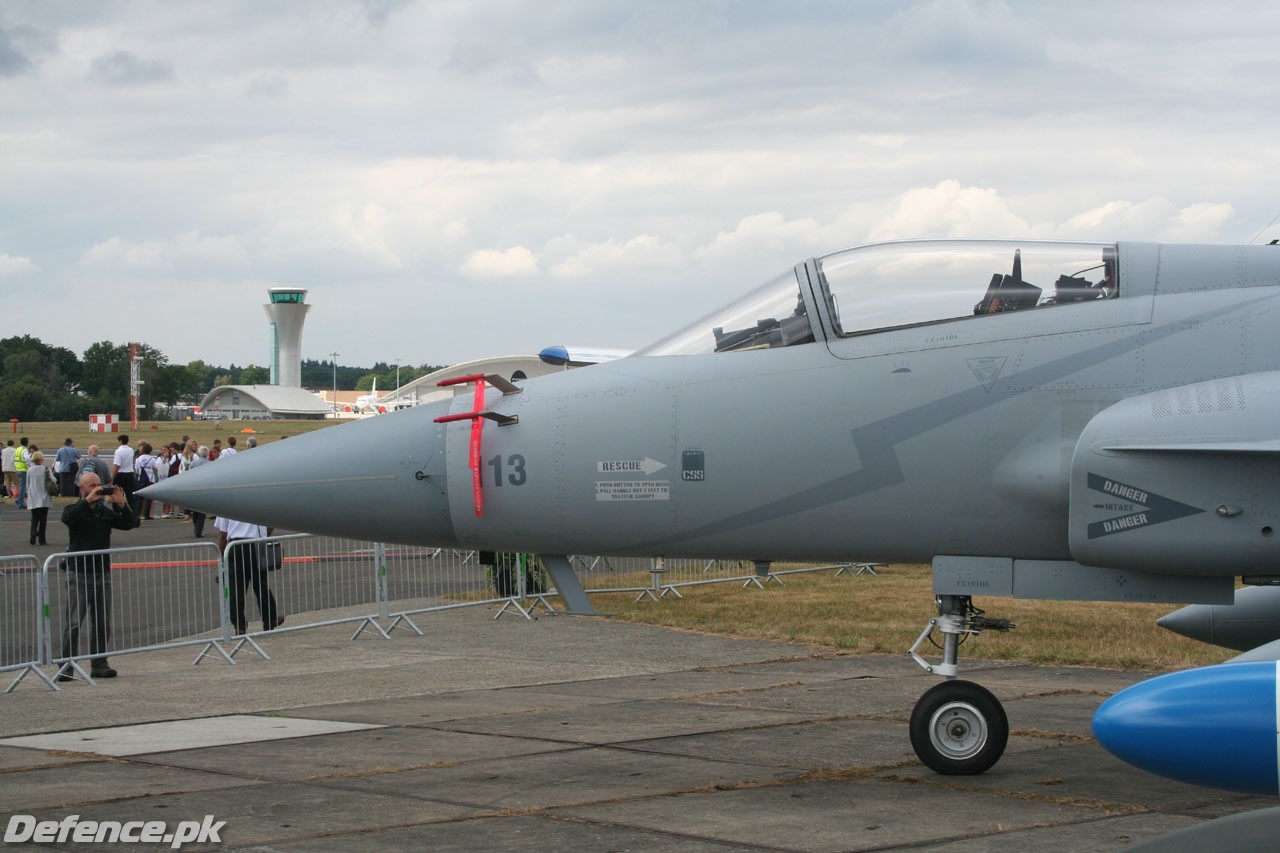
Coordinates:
90 527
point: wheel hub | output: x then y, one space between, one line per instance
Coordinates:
958 730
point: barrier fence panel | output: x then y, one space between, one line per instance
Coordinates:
189 594
155 597
321 580
613 574
422 580
20 630
657 577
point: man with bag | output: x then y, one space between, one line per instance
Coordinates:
247 565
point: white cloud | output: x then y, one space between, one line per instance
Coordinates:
1199 223
11 265
767 232
500 263
643 252
1154 219
949 210
192 250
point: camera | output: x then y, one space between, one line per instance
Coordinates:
106 490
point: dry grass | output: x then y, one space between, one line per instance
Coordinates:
886 613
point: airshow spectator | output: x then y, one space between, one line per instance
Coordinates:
195 456
90 521
39 480
144 473
10 472
91 461
21 459
68 459
122 473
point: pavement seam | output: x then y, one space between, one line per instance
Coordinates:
1029 796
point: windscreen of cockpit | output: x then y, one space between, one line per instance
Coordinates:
892 285
770 316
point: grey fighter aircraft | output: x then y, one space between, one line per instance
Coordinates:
1045 420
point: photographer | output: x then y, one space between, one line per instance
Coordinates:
90 521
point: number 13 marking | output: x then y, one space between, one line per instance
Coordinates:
515 462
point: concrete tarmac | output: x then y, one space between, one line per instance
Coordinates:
567 733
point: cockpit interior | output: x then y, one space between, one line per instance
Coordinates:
888 286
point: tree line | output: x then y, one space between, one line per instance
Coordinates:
40 382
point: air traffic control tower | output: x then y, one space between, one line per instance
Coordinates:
286 313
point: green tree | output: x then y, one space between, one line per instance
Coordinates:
38 377
22 399
201 377
254 375
105 377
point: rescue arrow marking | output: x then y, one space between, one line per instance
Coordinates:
630 466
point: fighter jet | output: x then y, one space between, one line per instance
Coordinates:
1091 421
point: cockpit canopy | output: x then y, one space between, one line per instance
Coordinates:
896 285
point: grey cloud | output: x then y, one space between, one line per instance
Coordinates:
18 46
122 68
269 84
378 12
12 61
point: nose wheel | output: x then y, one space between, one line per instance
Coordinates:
959 728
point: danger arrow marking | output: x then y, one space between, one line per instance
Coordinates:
1159 509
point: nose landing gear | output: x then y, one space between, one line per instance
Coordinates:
958 728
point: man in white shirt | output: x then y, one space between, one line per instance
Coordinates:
10 471
244 568
122 475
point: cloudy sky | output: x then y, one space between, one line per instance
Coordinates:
455 179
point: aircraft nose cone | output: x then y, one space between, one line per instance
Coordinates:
381 479
1214 726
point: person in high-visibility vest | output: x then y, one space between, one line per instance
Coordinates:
21 460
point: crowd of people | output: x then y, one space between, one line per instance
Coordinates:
107 501
33 480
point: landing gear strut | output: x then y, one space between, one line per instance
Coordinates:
958 728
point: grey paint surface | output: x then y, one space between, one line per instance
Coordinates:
970 437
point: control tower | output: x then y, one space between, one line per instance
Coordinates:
286 313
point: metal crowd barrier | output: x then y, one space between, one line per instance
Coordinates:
156 597
637 574
172 596
659 577
320 580
425 580
21 648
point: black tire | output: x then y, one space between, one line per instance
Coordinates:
959 729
